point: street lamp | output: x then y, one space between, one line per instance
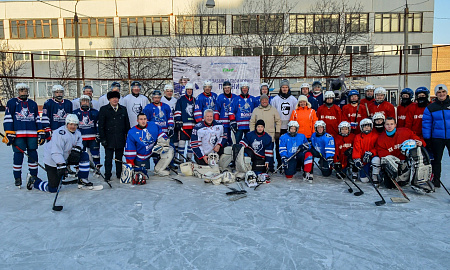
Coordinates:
77 51
210 4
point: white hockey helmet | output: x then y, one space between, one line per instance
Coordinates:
244 84
21 86
85 97
264 84
72 119
380 90
57 87
213 159
369 87
207 83
293 124
189 86
342 125
378 115
320 123
365 122
304 85
168 86
329 94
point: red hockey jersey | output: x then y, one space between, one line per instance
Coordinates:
363 143
342 144
386 108
349 115
414 119
331 116
402 114
391 145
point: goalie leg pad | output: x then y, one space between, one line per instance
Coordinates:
166 157
201 170
187 168
226 157
390 166
243 164
127 174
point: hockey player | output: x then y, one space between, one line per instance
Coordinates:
323 147
378 120
330 113
380 104
264 90
135 102
88 91
364 152
146 140
103 100
204 101
23 129
222 109
184 119
388 149
284 103
407 97
354 111
160 113
88 126
259 147
305 116
55 111
369 96
344 144
304 90
415 114
168 97
63 150
207 137
317 92
241 110
293 147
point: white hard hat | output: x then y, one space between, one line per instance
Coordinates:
369 87
380 90
244 84
328 94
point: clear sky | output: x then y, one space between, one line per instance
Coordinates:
441 33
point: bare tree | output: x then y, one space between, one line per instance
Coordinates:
329 29
10 69
63 69
135 62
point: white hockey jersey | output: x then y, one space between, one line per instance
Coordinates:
205 138
285 107
103 100
172 102
134 105
57 150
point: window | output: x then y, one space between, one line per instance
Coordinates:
144 26
253 24
22 56
395 22
356 49
34 29
357 23
313 23
395 49
2 31
200 25
90 27
257 51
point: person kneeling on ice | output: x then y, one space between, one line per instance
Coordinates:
344 143
146 140
293 146
322 146
364 151
258 146
64 149
393 164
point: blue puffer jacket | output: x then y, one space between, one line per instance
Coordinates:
436 120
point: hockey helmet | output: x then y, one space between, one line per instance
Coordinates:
422 89
57 87
366 122
369 87
409 92
407 145
250 179
21 86
320 123
264 84
342 125
226 83
316 83
168 86
304 85
293 124
244 84
115 84
213 159
88 87
136 83
378 115
189 86
207 83
85 97
72 119
353 93
329 94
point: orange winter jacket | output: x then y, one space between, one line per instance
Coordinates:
306 118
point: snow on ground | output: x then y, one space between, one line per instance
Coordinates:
165 225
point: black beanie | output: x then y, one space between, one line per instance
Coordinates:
113 94
260 122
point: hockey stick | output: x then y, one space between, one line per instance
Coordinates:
100 173
400 200
442 184
377 203
25 153
350 188
293 155
58 207
358 193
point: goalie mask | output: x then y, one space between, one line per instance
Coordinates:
250 179
320 123
407 145
295 125
213 159
228 177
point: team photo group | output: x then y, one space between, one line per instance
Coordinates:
328 131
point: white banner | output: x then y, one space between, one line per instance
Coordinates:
217 69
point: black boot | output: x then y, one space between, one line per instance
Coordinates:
84 182
18 182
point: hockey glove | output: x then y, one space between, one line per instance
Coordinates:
61 170
330 162
284 161
97 138
348 152
358 163
367 157
48 134
9 137
338 167
170 131
74 156
41 137
179 125
304 147
233 126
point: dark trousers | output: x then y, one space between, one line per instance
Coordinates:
277 143
438 151
118 154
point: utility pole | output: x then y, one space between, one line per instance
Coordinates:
405 46
77 51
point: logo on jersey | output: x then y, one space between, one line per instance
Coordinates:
213 140
257 145
211 104
60 115
86 122
25 115
147 139
189 109
285 108
137 108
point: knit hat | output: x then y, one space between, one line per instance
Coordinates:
113 94
284 82
303 98
264 96
260 122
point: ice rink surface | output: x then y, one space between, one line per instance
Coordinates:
165 225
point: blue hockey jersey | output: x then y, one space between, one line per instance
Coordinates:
241 110
261 145
140 142
54 113
22 116
324 144
289 145
319 98
222 110
205 138
161 115
202 103
184 111
88 123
